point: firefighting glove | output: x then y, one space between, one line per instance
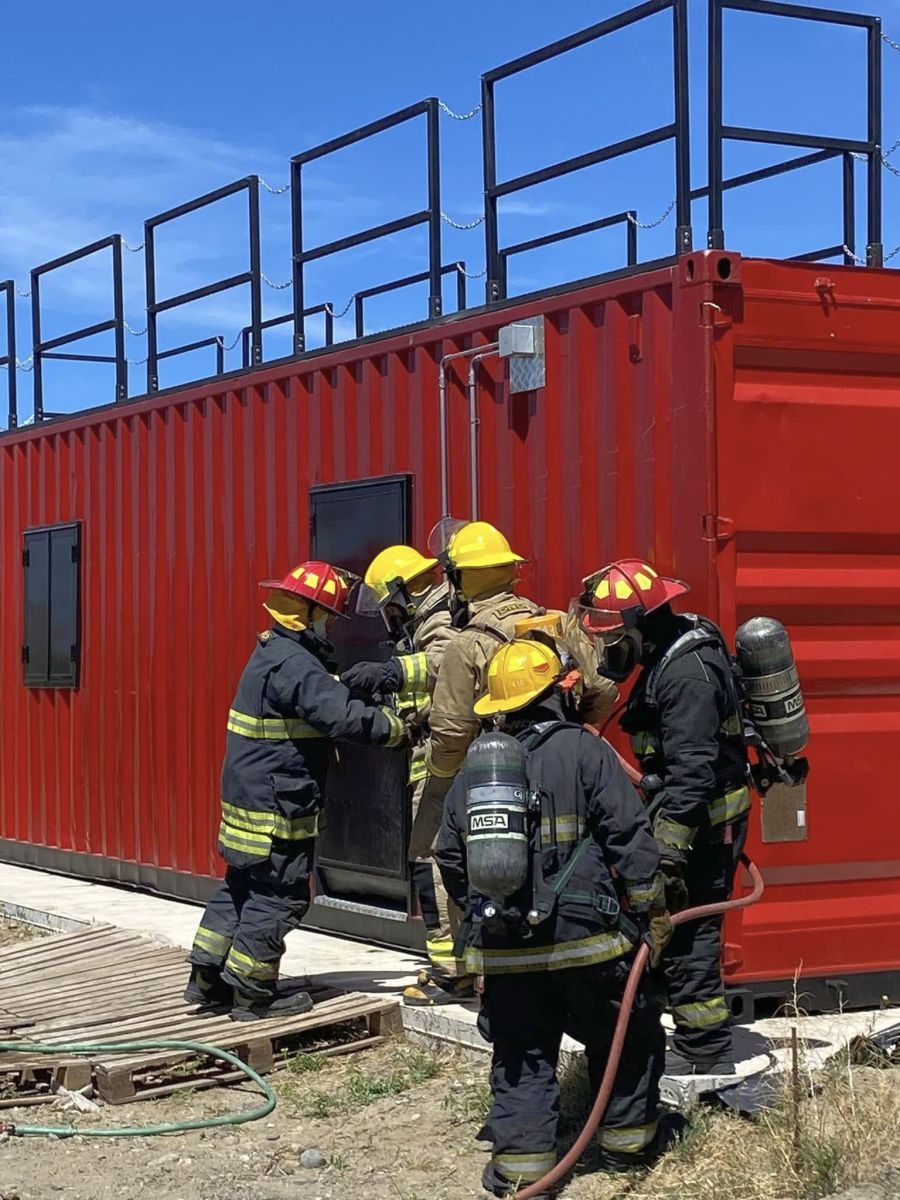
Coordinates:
659 934
373 678
677 896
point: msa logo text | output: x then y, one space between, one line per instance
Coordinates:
793 704
479 822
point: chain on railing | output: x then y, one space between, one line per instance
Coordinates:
221 342
470 274
464 225
131 249
278 287
134 332
336 316
459 116
274 191
632 219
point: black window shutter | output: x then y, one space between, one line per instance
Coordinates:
51 649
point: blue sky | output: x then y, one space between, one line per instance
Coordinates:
114 112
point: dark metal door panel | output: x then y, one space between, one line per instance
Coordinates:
362 849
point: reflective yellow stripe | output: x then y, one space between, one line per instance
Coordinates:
568 829
397 727
438 772
287 829
208 939
250 968
730 806
259 845
701 1013
581 953
672 833
415 671
440 950
270 728
645 893
644 743
525 1168
628 1139
417 770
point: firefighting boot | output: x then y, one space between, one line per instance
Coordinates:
205 989
429 992
249 1008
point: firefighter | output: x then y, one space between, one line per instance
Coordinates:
287 713
409 591
684 720
565 972
483 572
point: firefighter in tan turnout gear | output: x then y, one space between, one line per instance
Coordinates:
408 590
483 570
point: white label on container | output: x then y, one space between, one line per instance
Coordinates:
801 819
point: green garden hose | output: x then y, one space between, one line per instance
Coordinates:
66 1131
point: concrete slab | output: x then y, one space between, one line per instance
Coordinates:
58 902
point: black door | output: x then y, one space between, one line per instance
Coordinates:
362 876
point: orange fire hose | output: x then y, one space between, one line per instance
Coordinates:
565 1164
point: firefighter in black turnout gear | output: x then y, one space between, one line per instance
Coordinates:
684 720
534 826
288 711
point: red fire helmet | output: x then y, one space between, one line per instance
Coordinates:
619 595
319 582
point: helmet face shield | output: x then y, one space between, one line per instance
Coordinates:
439 538
368 602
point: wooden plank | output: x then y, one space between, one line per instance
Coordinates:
50 951
39 946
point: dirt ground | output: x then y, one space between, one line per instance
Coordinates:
399 1122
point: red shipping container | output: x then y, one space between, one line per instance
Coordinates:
736 422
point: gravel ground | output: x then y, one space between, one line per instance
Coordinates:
399 1122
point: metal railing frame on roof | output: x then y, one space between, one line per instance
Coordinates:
677 130
870 148
9 360
430 215
811 150
252 276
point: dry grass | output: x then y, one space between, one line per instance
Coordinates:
844 1133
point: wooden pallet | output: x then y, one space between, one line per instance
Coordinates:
105 984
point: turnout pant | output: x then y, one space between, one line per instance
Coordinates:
243 929
441 916
524 1017
692 964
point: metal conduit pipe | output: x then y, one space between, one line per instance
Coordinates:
486 352
442 421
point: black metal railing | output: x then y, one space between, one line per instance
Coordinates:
289 319
628 219
217 341
847 248
396 285
9 360
45 350
430 215
868 148
807 151
677 130
252 276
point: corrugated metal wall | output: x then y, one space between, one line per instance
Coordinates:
188 500
748 392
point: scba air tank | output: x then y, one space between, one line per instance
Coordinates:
497 845
771 686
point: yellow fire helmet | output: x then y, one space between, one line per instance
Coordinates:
478 544
402 563
519 672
